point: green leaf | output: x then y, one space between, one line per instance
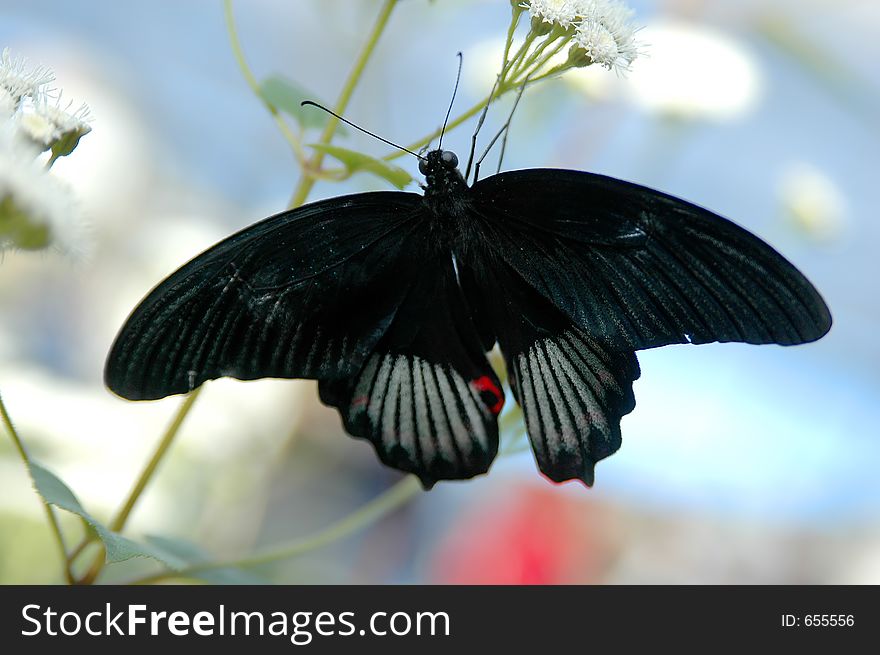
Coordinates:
357 161
185 553
287 96
117 547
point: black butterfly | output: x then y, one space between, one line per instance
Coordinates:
391 300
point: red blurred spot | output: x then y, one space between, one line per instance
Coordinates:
485 383
531 535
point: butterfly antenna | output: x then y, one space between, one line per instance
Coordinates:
451 102
504 130
358 127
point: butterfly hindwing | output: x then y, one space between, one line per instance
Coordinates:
573 390
306 293
573 393
636 268
426 397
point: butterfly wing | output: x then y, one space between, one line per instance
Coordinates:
573 390
306 293
426 396
635 268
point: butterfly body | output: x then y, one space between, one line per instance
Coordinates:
391 300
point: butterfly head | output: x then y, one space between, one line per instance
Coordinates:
442 177
438 160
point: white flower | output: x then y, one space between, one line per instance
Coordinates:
7 104
812 201
605 34
36 209
695 72
18 82
50 126
561 12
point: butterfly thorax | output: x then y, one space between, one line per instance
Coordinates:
447 194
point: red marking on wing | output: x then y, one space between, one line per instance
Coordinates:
360 401
485 383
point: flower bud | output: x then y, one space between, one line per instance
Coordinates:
51 128
36 209
540 27
578 57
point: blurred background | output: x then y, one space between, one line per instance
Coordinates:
740 464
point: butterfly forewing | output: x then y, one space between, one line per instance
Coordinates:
306 293
636 268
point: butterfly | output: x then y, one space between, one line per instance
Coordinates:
391 300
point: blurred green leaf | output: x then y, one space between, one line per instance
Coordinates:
357 161
286 95
117 547
185 553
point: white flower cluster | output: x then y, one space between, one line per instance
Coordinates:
36 209
16 83
559 12
602 29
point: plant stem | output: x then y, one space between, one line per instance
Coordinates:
307 181
251 80
503 88
556 70
118 523
511 30
526 62
473 111
540 62
121 518
368 514
50 513
16 440
516 60
80 547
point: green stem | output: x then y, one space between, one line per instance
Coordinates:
514 21
16 440
502 88
307 181
80 547
121 518
365 516
504 85
368 514
251 80
50 513
856 92
118 523
528 62
556 70
523 49
540 63
473 111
